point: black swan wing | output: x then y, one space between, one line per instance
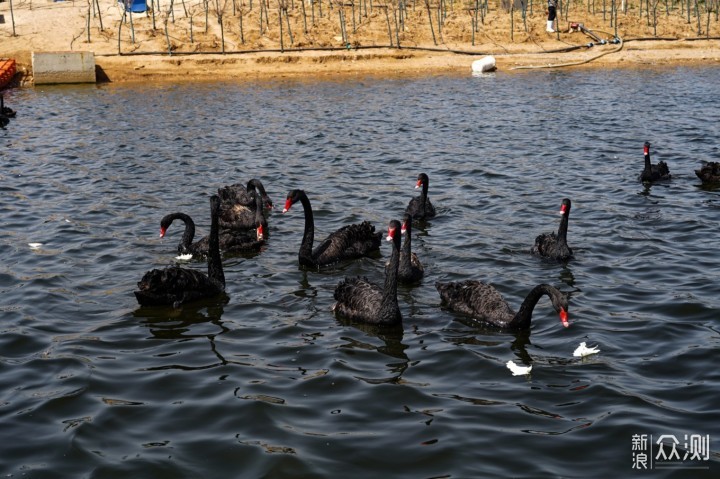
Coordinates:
349 242
475 299
358 299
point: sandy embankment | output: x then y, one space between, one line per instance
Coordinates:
251 53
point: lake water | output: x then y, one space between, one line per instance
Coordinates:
269 383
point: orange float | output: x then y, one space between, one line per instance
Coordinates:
7 71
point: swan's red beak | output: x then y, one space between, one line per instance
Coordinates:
646 149
391 234
288 204
564 317
403 230
419 184
162 232
260 233
563 209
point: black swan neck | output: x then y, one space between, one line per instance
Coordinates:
255 185
424 193
258 209
309 232
215 269
524 314
389 307
562 229
407 245
188 232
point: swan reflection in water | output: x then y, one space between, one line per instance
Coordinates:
391 345
187 323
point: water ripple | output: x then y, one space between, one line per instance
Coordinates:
266 381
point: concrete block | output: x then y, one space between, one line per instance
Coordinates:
63 67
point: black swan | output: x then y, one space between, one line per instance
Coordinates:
411 270
237 205
650 173
420 207
554 246
175 285
6 110
349 242
484 303
362 301
231 241
710 172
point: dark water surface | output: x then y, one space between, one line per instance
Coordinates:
269 383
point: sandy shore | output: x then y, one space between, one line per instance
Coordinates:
392 62
134 51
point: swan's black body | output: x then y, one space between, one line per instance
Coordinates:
651 173
484 303
411 269
420 207
175 285
238 205
554 246
362 301
709 173
349 242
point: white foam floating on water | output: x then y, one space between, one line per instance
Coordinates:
518 370
582 350
484 65
34 245
184 257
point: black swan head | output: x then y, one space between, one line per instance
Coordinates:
565 207
423 182
293 197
